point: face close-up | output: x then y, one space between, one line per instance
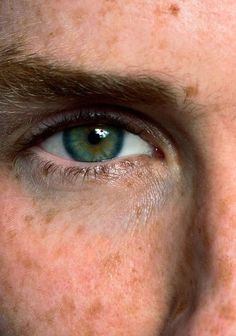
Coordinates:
117 168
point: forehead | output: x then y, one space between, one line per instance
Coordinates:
193 41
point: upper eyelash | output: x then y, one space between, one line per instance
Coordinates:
82 116
39 168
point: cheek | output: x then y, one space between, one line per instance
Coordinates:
94 284
103 271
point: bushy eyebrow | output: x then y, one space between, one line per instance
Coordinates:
29 85
26 78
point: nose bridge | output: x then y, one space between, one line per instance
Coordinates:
215 313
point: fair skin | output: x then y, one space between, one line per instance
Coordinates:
146 248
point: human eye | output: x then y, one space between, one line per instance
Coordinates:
91 143
95 143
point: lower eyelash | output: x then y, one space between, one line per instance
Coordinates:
46 173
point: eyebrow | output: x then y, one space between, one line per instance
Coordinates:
30 85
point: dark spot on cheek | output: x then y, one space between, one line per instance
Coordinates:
174 9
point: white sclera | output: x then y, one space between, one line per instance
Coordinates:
132 145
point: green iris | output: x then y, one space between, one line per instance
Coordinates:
93 143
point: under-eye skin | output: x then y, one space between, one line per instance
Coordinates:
91 142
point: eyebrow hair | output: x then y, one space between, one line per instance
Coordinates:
29 85
29 78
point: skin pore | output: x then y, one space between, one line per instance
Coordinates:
146 244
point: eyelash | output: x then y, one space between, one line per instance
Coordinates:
115 115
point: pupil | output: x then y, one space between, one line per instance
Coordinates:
95 137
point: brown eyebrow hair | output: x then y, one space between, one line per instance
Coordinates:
25 79
31 85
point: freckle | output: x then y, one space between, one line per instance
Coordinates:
30 264
59 252
80 230
174 9
11 234
67 307
134 281
50 215
28 219
223 207
48 317
8 288
158 11
224 276
78 16
128 184
112 41
163 45
191 91
94 310
227 311
112 262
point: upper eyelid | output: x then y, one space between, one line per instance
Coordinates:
133 121
117 115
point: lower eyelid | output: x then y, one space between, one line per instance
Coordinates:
40 172
69 163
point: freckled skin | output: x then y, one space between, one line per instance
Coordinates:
111 259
